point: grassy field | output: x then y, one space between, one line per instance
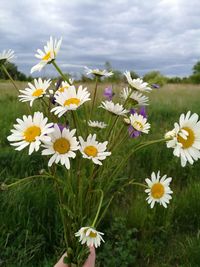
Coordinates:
31 232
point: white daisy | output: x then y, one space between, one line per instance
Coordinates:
159 190
34 91
93 150
64 86
97 124
6 56
89 236
49 54
113 108
138 122
70 99
30 131
97 72
186 138
62 146
138 83
136 97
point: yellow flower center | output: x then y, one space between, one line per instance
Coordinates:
91 151
61 145
70 101
157 190
62 89
38 92
92 234
134 101
138 125
31 133
47 56
190 138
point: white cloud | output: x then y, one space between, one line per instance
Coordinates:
140 35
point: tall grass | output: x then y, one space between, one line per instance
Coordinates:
31 232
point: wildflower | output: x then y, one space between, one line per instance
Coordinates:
30 131
185 138
50 52
91 149
35 91
155 86
117 109
138 83
89 236
70 99
6 56
138 123
97 124
62 145
98 73
136 98
64 86
158 189
108 93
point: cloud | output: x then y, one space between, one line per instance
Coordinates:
139 35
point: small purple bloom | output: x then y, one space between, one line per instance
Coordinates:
58 83
52 98
142 111
133 133
108 93
155 85
63 126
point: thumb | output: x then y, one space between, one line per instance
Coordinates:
90 262
60 263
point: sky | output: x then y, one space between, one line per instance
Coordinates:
134 35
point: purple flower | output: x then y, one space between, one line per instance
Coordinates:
62 126
108 93
132 132
142 112
155 85
58 83
53 99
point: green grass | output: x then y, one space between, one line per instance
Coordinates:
30 227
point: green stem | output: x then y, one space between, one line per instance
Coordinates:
116 140
74 121
14 84
105 210
112 126
5 186
60 72
9 76
77 122
143 185
94 97
132 152
99 208
61 212
128 97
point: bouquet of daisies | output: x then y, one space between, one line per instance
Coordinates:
87 142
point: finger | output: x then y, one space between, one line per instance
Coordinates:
90 262
60 263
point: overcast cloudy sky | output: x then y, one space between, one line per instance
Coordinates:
132 34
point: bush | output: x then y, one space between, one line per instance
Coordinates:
155 77
120 246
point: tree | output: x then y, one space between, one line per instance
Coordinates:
196 68
14 72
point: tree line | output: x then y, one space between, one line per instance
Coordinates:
153 77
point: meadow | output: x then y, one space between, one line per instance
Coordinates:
30 227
